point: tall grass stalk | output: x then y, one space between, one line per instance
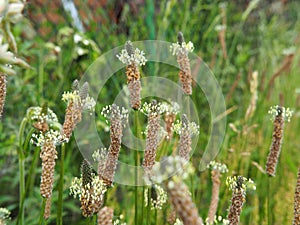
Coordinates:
21 173
61 186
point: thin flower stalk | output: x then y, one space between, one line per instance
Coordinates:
181 50
133 58
296 220
217 169
280 114
105 216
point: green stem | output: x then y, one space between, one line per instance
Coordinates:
40 77
149 207
61 186
22 173
136 171
42 211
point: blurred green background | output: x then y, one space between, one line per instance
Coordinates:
234 38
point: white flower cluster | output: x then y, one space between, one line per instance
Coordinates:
79 38
106 112
161 132
192 127
218 166
34 113
217 221
138 57
148 108
4 215
118 222
89 104
39 139
171 108
71 96
176 48
280 110
240 183
178 222
160 197
100 154
170 166
99 189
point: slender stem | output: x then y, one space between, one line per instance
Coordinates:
22 173
61 186
136 156
42 211
149 207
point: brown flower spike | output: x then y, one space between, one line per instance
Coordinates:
296 220
116 132
152 137
48 155
105 216
217 169
279 114
2 91
133 58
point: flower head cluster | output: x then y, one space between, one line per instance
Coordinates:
152 107
179 126
177 48
77 189
158 197
36 114
178 222
279 110
218 166
99 154
171 108
40 138
4 215
107 112
218 221
171 166
240 183
136 57
88 103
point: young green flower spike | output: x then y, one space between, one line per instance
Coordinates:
181 50
133 58
279 114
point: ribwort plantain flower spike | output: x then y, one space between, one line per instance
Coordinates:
186 130
216 170
2 92
116 133
77 100
105 216
90 190
172 171
238 185
279 115
171 110
133 58
181 50
4 216
158 197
